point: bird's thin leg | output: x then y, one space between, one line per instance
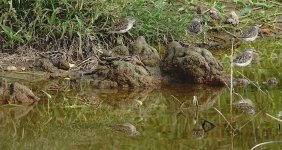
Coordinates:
130 35
204 37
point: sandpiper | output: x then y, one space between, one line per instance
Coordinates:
271 81
199 9
251 33
241 82
232 19
122 26
245 105
86 66
126 128
60 59
196 27
54 56
199 130
244 59
214 14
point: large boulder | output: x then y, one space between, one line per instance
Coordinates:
192 64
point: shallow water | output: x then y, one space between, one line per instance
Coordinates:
80 118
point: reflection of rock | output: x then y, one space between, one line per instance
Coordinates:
3 91
126 128
137 66
206 96
8 114
55 85
193 64
127 99
20 94
16 93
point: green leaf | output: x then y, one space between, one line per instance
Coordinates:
80 23
246 11
7 30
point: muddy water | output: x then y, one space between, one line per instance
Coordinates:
79 117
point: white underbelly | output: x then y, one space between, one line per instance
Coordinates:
250 39
243 64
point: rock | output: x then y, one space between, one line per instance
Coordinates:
120 51
148 55
194 65
128 74
15 93
137 66
45 65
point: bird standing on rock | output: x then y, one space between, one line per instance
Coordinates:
244 59
86 66
122 26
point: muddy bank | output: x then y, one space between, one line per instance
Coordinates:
135 65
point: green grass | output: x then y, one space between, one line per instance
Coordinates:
41 22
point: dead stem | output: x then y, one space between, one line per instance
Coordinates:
224 119
264 143
273 117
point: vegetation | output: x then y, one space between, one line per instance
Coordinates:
39 22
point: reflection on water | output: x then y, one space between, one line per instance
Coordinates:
164 118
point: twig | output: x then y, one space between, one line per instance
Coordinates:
273 117
252 83
224 118
176 99
248 121
231 76
264 143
